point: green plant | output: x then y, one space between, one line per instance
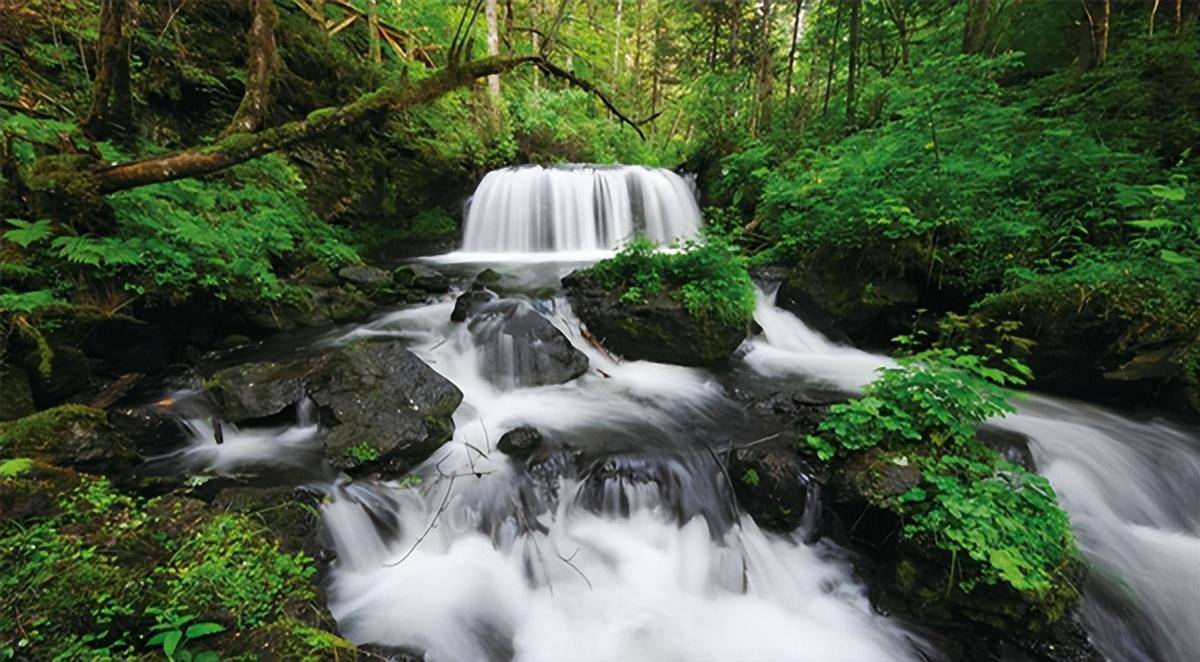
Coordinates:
175 633
935 397
362 452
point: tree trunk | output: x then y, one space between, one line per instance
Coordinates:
735 28
493 47
833 42
616 58
896 10
975 27
792 49
112 90
373 31
1093 39
262 60
764 76
852 69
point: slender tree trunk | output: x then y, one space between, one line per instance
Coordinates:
493 47
112 90
833 44
716 38
1093 40
637 49
374 45
262 60
764 75
895 9
735 28
792 49
976 25
852 69
616 58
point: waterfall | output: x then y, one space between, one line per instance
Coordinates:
532 209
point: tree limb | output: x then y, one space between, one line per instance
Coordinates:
262 60
241 147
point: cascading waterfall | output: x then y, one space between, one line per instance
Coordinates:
532 209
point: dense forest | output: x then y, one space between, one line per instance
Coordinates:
1001 195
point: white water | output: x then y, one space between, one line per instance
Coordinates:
621 578
532 209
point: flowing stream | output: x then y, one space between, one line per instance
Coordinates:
630 546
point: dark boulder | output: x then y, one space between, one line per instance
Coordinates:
656 329
16 393
379 405
70 373
152 429
845 305
773 485
70 436
520 347
364 275
520 443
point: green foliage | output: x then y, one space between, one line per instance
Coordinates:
174 634
709 279
935 397
750 478
362 452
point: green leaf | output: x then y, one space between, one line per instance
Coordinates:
203 630
171 642
28 233
1152 223
1175 258
1169 193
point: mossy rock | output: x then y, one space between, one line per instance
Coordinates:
656 329
69 373
69 435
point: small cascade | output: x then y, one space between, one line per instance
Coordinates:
532 209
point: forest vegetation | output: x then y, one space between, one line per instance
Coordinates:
1014 183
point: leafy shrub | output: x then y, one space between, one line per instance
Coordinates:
709 279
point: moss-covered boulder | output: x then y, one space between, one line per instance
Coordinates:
380 406
94 573
69 435
690 307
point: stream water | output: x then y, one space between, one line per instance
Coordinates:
637 551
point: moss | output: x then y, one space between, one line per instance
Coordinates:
44 432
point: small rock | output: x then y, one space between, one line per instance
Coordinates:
467 302
70 374
773 485
315 274
152 429
488 277
520 443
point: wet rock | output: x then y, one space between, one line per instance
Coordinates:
846 304
856 488
773 485
342 305
70 436
658 329
152 429
315 273
520 443
364 275
16 393
420 276
379 405
469 301
1012 446
520 347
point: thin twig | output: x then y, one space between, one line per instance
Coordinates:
574 567
432 523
